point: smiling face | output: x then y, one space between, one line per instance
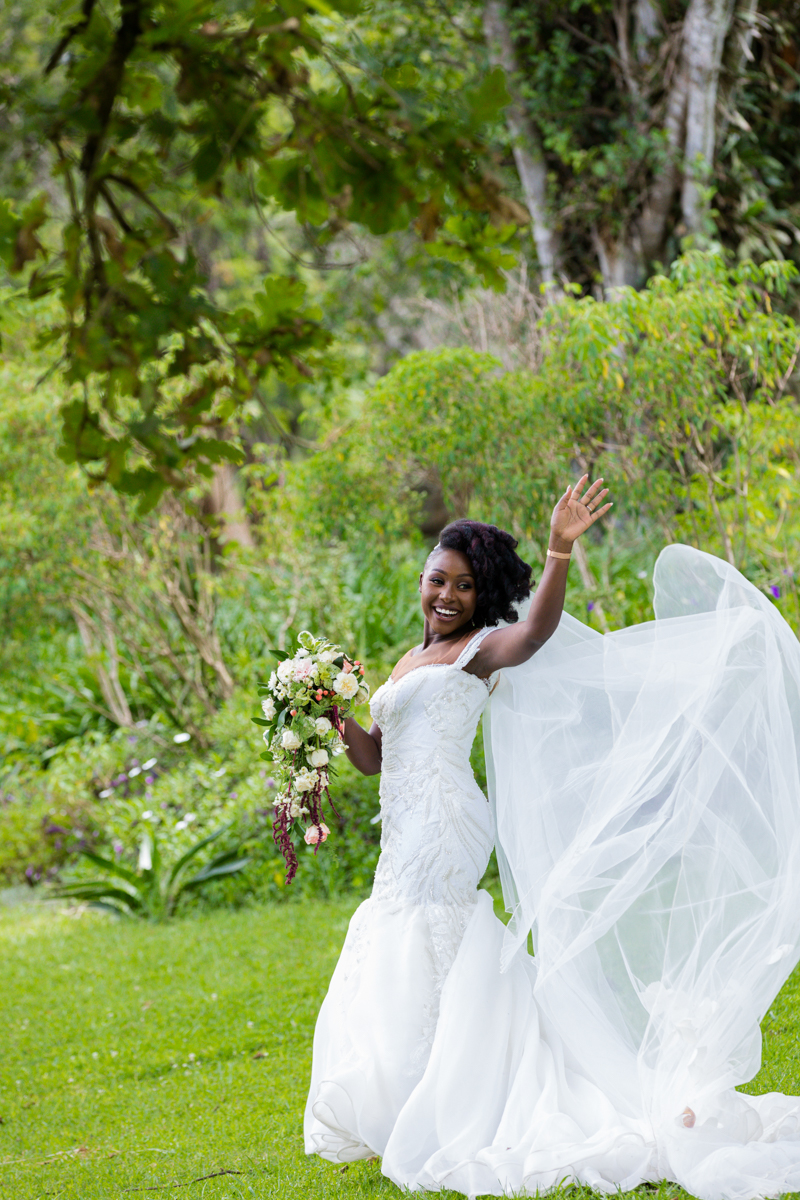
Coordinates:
448 592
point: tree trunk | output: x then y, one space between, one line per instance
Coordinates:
705 29
225 502
647 28
622 263
672 78
656 210
525 141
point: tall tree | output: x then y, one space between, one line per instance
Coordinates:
140 118
635 123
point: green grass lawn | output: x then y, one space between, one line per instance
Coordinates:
140 1059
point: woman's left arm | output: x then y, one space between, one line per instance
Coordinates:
572 516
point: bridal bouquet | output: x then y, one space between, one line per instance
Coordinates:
304 706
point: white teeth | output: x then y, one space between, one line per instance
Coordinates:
446 612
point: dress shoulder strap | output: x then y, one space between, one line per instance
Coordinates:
471 648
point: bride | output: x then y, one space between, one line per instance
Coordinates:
645 806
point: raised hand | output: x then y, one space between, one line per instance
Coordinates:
578 509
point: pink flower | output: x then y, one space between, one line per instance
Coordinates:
347 667
316 833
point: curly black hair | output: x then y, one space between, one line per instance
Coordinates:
502 579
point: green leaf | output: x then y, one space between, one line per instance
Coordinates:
97 890
490 97
231 868
193 850
115 868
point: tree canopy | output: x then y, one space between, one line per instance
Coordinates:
138 118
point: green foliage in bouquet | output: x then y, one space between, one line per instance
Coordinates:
155 889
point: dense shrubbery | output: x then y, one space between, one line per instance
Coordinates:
681 395
122 632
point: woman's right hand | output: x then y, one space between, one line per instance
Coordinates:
362 748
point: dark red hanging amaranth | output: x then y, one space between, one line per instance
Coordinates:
282 836
282 825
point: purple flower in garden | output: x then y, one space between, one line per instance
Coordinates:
118 848
149 778
776 591
788 571
590 605
234 795
271 782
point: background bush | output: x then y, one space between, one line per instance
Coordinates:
123 631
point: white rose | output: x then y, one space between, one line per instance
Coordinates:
273 680
305 780
301 653
290 740
286 670
318 758
346 685
327 656
268 707
322 726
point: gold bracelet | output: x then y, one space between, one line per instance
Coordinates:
555 554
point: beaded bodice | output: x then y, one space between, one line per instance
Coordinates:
437 829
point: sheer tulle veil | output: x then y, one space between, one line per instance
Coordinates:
646 792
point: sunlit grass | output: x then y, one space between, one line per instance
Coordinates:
140 1058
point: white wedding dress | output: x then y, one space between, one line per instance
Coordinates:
645 801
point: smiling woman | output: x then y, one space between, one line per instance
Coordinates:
377 1025
644 803
447 590
474 579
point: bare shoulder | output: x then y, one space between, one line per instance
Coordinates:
507 646
481 663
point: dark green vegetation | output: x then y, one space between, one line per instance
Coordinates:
134 644
138 140
180 1052
148 118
